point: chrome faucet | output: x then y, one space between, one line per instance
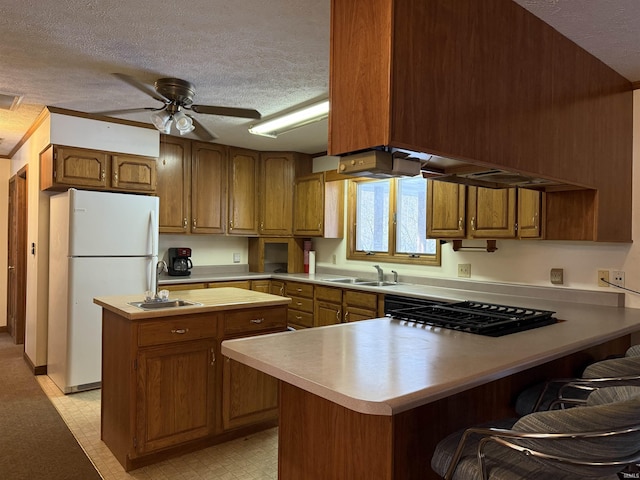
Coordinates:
161 267
395 276
380 273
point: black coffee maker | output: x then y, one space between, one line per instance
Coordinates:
179 264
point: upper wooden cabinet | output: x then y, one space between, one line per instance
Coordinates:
243 188
174 185
64 167
277 173
208 188
438 77
457 211
318 207
192 186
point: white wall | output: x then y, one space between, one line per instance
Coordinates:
207 249
522 261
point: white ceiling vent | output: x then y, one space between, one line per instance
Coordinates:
9 101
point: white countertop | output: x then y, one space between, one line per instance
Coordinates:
384 366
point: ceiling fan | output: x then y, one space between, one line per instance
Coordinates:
177 96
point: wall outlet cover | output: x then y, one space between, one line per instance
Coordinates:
557 276
603 278
236 258
464 270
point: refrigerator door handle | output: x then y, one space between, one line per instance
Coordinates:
153 230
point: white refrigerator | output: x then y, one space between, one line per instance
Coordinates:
100 244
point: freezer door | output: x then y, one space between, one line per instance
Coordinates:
76 361
112 224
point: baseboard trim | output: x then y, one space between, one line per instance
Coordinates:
36 370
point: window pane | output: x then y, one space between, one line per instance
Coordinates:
372 216
411 217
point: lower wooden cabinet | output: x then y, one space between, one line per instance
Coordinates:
248 395
176 394
166 389
359 305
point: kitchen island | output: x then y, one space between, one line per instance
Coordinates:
166 389
371 399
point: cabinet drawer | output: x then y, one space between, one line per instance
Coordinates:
297 317
177 329
299 289
329 294
361 299
301 304
255 320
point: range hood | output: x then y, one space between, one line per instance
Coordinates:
389 163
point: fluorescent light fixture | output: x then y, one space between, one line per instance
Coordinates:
288 121
162 121
184 123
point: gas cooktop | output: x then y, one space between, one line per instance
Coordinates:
474 317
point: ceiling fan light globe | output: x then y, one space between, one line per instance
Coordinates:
184 124
162 121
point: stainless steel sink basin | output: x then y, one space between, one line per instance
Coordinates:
349 280
377 284
167 304
361 281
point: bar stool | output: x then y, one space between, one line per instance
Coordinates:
597 440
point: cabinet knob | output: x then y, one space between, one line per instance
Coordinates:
257 321
102 175
194 223
115 178
473 223
460 223
231 225
213 356
184 223
346 316
338 315
180 331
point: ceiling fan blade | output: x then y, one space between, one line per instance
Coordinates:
202 132
226 111
127 110
141 86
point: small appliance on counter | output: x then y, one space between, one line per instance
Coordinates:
179 264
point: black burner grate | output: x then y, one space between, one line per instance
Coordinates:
476 317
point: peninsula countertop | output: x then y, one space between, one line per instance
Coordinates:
209 300
384 366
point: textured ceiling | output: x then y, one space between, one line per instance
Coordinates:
267 55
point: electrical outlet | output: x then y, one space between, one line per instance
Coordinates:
333 259
603 278
557 276
236 258
617 278
464 270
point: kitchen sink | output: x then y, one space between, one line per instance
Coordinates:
361 281
164 304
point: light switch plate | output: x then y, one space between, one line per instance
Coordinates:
236 258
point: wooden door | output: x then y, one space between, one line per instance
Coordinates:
174 184
133 174
208 188
248 395
277 173
79 167
261 285
176 394
529 213
446 210
242 198
492 212
326 313
308 214
17 257
277 288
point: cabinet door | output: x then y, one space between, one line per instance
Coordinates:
243 200
277 173
492 212
355 314
176 394
308 212
446 210
81 167
277 288
133 174
327 313
208 188
529 213
174 184
248 395
261 285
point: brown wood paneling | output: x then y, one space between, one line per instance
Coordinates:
208 188
320 440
